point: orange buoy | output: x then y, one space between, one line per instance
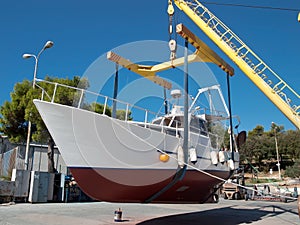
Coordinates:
164 157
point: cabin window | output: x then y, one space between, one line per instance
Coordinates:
198 126
170 131
167 121
177 122
158 122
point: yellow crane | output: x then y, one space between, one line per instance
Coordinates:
203 53
275 88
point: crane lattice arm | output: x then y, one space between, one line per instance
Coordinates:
275 88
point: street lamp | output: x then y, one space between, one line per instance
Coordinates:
276 146
48 44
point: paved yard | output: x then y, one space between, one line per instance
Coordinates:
98 213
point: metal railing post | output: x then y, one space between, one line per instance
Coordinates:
80 99
105 104
54 92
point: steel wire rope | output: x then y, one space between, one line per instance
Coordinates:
252 6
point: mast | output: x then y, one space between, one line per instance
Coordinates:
185 145
116 84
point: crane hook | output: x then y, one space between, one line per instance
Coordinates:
173 47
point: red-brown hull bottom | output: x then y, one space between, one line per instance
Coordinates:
194 187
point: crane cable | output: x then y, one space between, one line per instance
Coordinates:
170 11
172 42
252 6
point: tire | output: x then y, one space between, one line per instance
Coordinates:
215 198
236 196
225 196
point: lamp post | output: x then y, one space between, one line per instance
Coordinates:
48 44
276 146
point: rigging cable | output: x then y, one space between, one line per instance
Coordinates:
194 167
252 6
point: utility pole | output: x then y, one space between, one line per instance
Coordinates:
277 152
48 44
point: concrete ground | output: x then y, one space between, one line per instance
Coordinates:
99 213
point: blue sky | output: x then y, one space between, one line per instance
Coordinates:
84 30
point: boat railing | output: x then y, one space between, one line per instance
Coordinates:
92 101
87 100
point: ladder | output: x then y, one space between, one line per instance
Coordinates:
275 88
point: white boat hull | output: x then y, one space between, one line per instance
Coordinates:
118 161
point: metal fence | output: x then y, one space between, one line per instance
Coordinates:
10 160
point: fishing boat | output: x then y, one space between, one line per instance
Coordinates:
177 157
129 161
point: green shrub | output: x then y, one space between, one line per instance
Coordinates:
293 171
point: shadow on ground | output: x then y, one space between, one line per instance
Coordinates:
224 216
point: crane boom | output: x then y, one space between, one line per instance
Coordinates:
275 88
203 53
143 70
